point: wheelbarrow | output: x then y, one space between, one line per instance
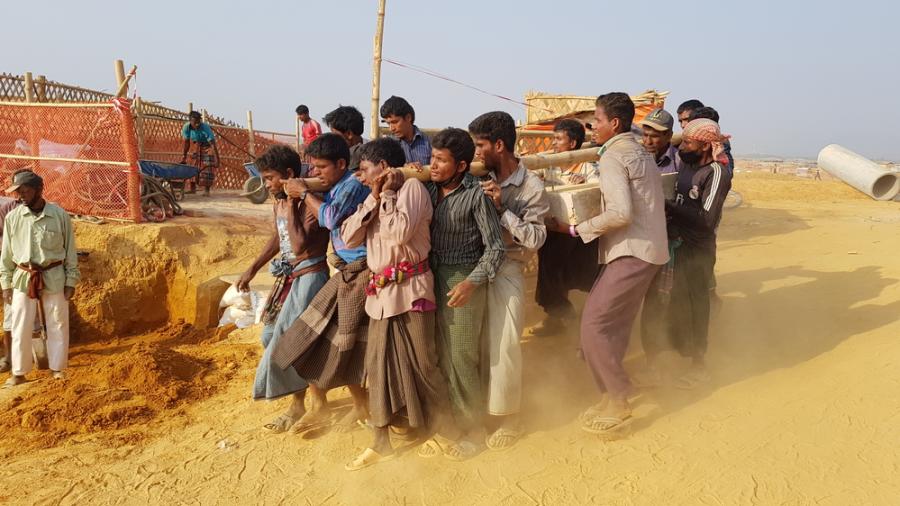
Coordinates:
173 175
254 187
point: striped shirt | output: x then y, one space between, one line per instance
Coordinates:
465 230
699 195
419 150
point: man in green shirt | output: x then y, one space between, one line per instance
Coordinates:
38 263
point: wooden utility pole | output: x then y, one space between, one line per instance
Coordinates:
251 144
376 72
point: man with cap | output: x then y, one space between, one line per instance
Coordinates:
38 263
657 140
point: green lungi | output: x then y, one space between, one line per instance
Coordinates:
459 345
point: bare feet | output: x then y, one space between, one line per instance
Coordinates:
551 326
312 419
351 421
368 457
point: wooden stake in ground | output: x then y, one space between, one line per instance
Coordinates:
251 144
129 146
376 72
34 140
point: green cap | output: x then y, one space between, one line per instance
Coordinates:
658 119
26 178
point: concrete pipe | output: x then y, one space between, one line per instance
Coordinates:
859 172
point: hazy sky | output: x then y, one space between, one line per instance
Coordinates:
787 77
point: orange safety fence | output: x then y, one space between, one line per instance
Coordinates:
86 154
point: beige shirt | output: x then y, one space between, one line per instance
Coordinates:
633 220
522 220
395 230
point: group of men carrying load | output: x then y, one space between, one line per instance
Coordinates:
423 319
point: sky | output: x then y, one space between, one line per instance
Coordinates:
787 77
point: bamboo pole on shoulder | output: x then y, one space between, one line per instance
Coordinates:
374 131
34 139
251 142
477 169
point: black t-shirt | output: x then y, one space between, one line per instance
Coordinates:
699 195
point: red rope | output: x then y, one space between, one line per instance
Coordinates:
423 70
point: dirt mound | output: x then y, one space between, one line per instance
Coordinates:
115 391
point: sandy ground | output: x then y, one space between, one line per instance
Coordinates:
803 408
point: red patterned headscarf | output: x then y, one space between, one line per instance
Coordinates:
707 130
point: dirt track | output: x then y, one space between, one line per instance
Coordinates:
803 408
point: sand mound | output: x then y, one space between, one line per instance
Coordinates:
116 391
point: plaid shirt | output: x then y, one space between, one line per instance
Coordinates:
419 150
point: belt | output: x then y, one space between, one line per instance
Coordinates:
394 274
36 277
321 266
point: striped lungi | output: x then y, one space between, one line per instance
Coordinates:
459 344
402 370
204 159
327 344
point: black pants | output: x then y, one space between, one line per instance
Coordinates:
688 312
564 263
655 319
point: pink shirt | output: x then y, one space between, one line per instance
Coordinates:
310 131
395 230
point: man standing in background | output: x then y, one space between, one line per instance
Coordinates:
311 129
38 265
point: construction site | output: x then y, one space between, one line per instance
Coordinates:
157 409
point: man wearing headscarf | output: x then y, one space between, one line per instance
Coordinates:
703 182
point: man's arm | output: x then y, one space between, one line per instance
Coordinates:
402 211
70 263
529 230
7 266
491 236
187 142
266 255
353 230
344 203
617 194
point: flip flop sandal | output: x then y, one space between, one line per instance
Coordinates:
13 381
593 411
647 379
607 426
281 423
460 451
692 380
368 457
404 433
430 449
493 441
4 365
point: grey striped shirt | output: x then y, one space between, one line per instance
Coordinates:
465 230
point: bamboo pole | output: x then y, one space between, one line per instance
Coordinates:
297 133
42 88
58 159
477 169
251 146
121 82
139 125
129 145
376 71
190 107
34 140
71 105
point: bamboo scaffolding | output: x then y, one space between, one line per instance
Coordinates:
34 140
129 146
